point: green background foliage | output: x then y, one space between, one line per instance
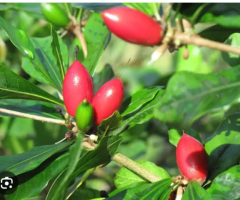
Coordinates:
199 96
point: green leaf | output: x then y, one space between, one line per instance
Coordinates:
31 159
110 123
226 184
139 99
97 38
96 7
85 194
230 58
194 191
29 7
63 180
37 108
218 33
60 54
100 155
154 191
125 177
32 183
141 116
189 96
144 7
38 51
175 135
224 143
226 15
13 86
102 77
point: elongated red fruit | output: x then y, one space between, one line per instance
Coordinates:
107 100
192 159
133 26
77 86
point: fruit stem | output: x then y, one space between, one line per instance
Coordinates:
128 163
39 118
76 51
199 41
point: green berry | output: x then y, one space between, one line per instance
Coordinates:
84 116
55 14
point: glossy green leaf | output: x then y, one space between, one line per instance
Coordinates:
102 77
226 15
97 38
63 180
143 115
230 58
125 177
100 155
31 159
13 86
110 123
32 183
223 144
37 108
194 191
218 33
153 191
144 7
36 50
60 52
189 96
96 7
227 184
139 99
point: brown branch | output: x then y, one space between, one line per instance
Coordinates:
77 31
186 39
39 118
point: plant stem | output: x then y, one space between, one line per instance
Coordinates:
68 11
39 118
135 167
199 41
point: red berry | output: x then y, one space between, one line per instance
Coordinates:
107 100
192 159
133 26
77 86
171 197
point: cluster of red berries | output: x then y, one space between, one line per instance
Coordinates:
82 104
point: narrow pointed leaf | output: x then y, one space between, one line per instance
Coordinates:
34 182
29 160
60 54
13 86
194 191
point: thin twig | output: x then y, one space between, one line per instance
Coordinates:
39 118
185 39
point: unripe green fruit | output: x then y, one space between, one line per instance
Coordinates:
84 116
55 14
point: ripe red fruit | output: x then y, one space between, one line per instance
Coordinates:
107 100
77 86
133 26
192 159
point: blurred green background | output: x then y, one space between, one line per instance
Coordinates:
148 141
